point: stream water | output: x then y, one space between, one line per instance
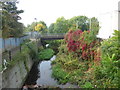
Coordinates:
40 75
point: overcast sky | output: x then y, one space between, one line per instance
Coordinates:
50 10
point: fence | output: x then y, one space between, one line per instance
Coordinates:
11 43
10 46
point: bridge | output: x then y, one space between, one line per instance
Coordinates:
54 36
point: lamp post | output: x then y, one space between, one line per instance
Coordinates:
35 20
35 25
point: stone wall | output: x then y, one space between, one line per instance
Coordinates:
15 76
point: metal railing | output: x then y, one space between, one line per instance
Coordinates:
10 43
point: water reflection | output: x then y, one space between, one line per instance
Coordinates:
40 75
45 74
33 75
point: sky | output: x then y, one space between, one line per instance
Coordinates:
49 10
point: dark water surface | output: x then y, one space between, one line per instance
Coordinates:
41 73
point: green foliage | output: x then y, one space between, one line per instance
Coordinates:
83 23
19 57
33 50
79 22
69 65
104 73
107 73
53 44
94 25
45 54
45 29
1 67
10 25
87 85
29 50
58 74
31 27
112 46
60 26
51 28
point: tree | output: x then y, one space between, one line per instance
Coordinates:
41 27
30 27
79 22
60 26
51 28
37 26
95 25
10 17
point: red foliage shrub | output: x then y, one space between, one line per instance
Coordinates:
81 43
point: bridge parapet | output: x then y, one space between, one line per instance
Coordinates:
52 36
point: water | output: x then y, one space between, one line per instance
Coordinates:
45 73
40 75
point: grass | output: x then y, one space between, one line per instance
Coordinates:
68 69
59 74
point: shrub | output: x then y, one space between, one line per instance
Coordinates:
45 54
33 49
83 44
112 46
57 72
108 72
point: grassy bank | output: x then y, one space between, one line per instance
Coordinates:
94 67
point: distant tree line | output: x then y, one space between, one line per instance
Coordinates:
11 27
62 25
78 22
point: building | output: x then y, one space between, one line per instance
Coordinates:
109 22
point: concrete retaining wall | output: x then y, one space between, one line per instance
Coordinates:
14 77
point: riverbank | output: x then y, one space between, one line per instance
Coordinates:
42 72
87 62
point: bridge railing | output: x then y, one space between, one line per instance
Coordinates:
52 34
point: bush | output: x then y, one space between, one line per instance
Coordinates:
102 70
108 72
111 61
83 44
45 54
112 46
53 44
33 49
58 74
72 68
